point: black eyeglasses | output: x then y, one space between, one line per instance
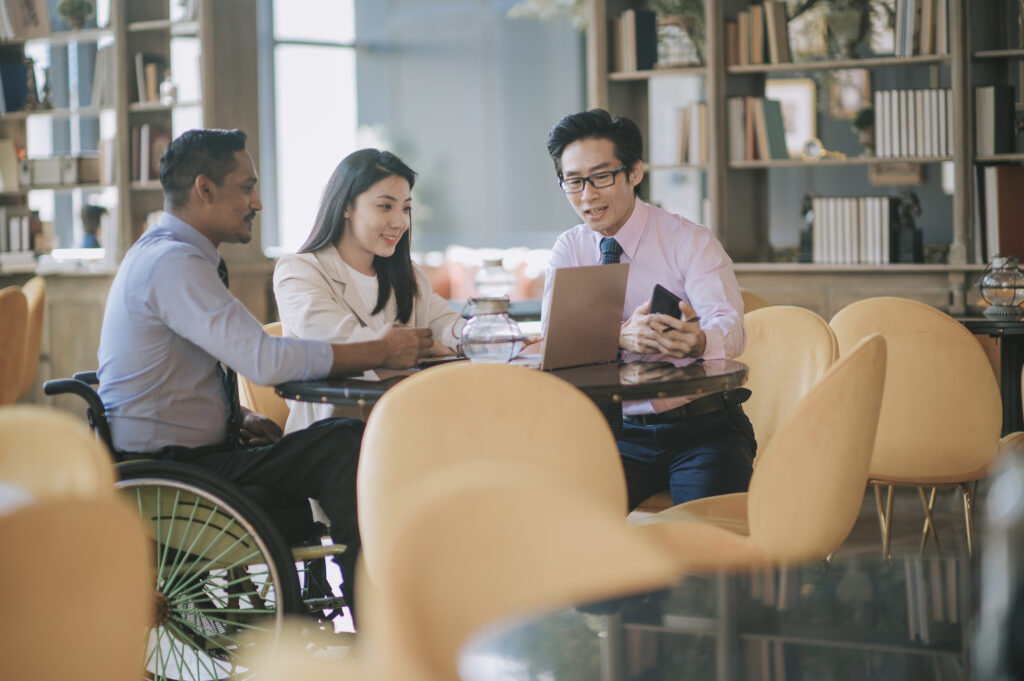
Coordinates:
574 185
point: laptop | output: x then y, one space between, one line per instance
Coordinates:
584 317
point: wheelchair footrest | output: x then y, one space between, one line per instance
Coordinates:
301 553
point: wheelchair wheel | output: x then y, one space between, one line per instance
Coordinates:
222 570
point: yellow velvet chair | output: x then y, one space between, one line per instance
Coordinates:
788 350
35 295
51 454
941 414
484 540
752 301
261 398
806 493
14 313
462 411
77 591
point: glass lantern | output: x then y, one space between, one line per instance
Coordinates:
1002 286
493 280
490 334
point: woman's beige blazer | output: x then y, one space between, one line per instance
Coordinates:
318 301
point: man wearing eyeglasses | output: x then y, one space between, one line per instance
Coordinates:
692 447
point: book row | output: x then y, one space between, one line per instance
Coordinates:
15 230
759 35
756 129
852 231
913 123
149 142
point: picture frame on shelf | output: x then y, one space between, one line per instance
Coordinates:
849 92
798 97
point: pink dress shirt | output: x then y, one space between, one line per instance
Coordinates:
682 256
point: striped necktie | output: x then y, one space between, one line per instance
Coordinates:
228 376
610 251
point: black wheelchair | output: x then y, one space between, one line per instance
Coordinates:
224 562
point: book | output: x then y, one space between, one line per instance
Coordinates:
994 116
14 83
639 39
750 129
776 30
732 43
775 129
1004 210
737 122
743 21
683 126
927 30
761 130
103 78
698 145
8 165
756 34
149 71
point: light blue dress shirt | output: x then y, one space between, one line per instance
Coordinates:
168 321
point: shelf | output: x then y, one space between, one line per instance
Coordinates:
148 185
999 54
852 161
999 158
22 191
82 112
86 35
867 62
680 166
179 28
821 268
147 107
653 73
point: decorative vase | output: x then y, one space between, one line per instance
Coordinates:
844 26
866 137
1002 286
76 23
490 335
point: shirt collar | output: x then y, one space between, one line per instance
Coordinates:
629 234
183 231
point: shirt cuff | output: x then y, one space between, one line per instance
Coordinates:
714 344
319 359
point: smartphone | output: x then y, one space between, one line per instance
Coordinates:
664 301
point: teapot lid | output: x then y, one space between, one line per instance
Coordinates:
495 305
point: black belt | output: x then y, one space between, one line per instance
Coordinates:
699 407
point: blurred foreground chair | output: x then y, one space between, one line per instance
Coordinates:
35 295
76 590
788 350
808 489
484 540
462 411
752 301
941 413
51 454
14 313
261 398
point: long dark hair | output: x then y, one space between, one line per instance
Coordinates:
356 173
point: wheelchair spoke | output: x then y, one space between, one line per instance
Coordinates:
183 596
200 655
206 549
183 555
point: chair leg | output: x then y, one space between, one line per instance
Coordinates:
969 515
884 517
929 522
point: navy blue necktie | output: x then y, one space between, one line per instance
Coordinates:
610 251
228 376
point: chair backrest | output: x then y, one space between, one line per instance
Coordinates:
14 313
77 591
261 398
52 454
788 350
461 411
941 413
806 492
35 295
485 540
752 301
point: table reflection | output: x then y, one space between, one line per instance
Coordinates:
861 618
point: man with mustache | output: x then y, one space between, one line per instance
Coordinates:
173 337
692 447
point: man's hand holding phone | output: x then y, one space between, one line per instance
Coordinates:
654 329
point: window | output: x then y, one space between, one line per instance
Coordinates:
307 110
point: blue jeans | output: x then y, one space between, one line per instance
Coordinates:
693 458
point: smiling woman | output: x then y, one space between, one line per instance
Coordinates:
354 277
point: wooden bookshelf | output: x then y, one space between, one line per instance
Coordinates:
741 225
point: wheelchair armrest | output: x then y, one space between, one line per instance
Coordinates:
65 386
89 377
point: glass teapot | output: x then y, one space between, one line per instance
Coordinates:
490 334
1002 286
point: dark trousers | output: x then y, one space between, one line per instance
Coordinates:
692 458
319 462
